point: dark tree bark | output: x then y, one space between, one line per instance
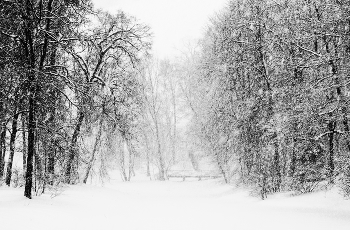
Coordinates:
32 105
2 149
12 148
31 59
31 146
24 145
331 136
2 136
277 167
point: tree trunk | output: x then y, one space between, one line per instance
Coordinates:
331 135
2 149
344 110
31 147
294 159
148 165
24 146
52 147
122 161
131 159
33 88
12 148
346 127
261 60
173 92
277 167
38 175
147 156
32 57
222 170
160 156
51 162
72 149
92 159
332 123
2 135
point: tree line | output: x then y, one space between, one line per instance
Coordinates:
275 75
66 71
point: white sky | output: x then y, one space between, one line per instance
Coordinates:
173 22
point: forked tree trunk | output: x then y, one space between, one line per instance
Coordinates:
94 150
32 57
72 148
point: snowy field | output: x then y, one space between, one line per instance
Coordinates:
171 205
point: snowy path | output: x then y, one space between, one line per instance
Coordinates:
152 205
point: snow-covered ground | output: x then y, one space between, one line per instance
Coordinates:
171 205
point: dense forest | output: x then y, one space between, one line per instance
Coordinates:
275 76
264 95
